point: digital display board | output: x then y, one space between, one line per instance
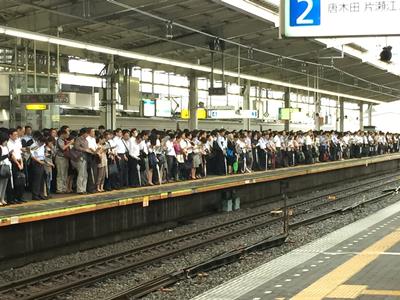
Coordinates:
338 18
60 98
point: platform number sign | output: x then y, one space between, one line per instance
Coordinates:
305 12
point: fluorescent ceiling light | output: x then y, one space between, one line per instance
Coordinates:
165 61
66 42
101 49
249 7
24 35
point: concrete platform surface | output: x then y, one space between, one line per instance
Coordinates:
75 204
359 261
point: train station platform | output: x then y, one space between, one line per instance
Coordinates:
359 261
75 204
76 222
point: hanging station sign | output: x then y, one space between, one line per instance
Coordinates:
201 114
339 18
233 114
60 98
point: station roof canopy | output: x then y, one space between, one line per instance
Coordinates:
152 27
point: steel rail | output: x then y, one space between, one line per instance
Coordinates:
232 256
51 284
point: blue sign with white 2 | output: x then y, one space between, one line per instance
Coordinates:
305 12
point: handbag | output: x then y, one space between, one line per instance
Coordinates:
152 160
19 179
75 155
141 164
5 171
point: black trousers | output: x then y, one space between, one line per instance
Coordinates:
112 182
133 172
172 167
220 162
38 176
92 173
262 158
123 171
15 192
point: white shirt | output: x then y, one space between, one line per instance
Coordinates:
120 145
16 146
189 147
134 149
39 153
290 144
143 147
92 143
262 142
4 151
112 145
222 143
277 141
308 140
242 145
346 140
334 139
184 145
170 148
127 144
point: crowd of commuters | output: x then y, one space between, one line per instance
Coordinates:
94 160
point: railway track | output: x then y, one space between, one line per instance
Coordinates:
52 284
172 278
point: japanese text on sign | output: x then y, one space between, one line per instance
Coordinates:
339 18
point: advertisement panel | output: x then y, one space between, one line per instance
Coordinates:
339 18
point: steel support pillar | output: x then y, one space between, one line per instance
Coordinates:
341 115
361 117
317 100
246 104
287 105
109 114
193 103
370 106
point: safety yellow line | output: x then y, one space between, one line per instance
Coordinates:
381 293
148 196
326 284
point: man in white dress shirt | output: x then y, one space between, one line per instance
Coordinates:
122 159
16 187
221 153
92 161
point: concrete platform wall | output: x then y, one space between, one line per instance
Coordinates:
22 243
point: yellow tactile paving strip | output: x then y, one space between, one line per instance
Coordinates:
150 196
347 292
381 293
330 282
